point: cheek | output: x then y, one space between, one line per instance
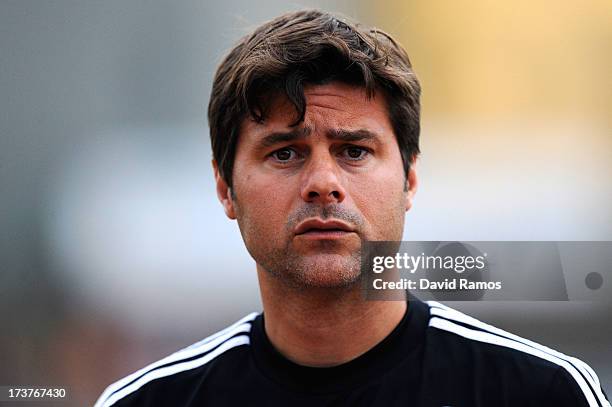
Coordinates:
381 201
260 210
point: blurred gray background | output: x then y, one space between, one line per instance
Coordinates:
113 248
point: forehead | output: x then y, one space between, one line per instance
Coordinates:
330 106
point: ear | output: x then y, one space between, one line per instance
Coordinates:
412 183
224 193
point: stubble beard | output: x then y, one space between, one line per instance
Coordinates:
324 268
320 270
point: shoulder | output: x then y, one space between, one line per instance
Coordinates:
527 362
167 370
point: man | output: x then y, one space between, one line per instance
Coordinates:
314 128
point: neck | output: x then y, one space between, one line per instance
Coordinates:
323 327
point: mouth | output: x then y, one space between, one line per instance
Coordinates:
319 229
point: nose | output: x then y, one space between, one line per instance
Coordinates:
321 181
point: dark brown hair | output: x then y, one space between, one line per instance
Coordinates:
310 47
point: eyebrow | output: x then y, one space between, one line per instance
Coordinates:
333 134
283 137
353 135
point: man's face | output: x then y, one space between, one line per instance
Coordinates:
306 196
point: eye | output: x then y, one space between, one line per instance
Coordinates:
284 154
355 153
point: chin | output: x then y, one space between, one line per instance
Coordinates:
325 271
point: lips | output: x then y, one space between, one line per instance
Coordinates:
323 228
